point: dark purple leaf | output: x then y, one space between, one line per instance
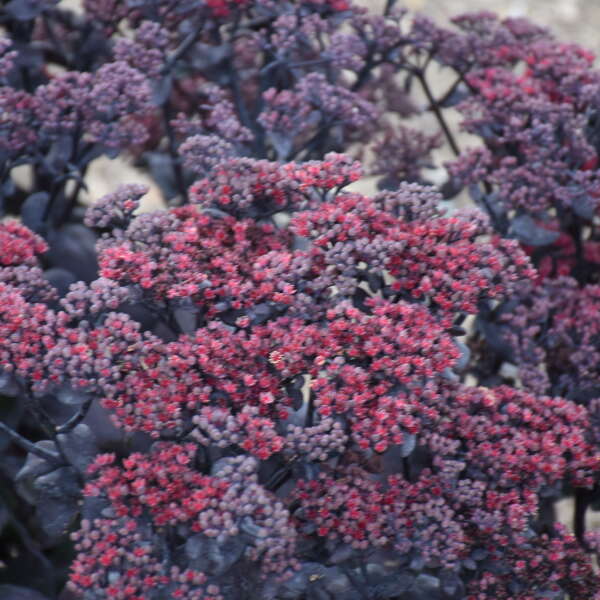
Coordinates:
17 592
25 10
161 90
72 247
79 446
526 231
34 209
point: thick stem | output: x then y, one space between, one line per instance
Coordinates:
178 171
583 499
29 446
76 418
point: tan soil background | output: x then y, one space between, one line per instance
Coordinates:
575 21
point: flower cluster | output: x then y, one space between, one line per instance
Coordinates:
19 245
275 379
254 434
440 259
222 519
216 253
259 189
554 333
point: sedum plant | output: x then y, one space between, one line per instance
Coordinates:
269 389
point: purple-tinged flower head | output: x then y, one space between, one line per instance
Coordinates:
132 552
163 490
410 202
359 363
525 31
441 259
562 70
202 153
52 348
216 254
91 359
105 105
165 387
296 37
63 103
146 493
28 332
342 509
401 153
534 125
554 333
30 282
315 101
253 188
82 300
245 429
512 438
7 57
412 519
170 13
482 40
259 513
147 51
318 442
19 122
548 565
115 210
119 95
218 116
346 51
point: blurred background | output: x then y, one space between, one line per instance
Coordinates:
572 20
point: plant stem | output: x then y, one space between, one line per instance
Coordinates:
434 106
29 446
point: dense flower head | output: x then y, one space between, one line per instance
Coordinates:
19 244
260 188
18 121
146 52
216 253
509 437
313 101
559 566
116 209
439 259
364 359
554 333
53 348
246 429
209 511
364 367
341 510
131 553
144 499
27 331
318 442
30 283
167 384
202 153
